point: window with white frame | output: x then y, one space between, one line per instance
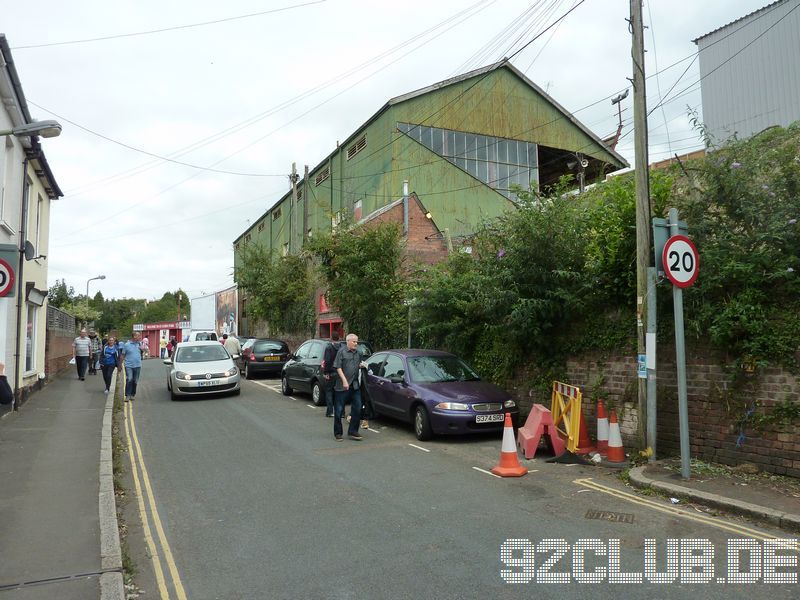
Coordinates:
7 166
30 338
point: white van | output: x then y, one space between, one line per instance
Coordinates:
202 336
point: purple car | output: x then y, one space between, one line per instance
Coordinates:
436 391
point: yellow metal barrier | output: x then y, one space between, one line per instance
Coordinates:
566 408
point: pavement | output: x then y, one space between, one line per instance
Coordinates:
58 526
755 495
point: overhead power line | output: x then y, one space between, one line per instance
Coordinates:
164 29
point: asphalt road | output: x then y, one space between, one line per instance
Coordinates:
257 500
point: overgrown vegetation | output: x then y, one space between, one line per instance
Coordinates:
557 277
279 291
363 271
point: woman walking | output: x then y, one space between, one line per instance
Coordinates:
109 360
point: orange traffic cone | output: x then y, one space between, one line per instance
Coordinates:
509 463
616 453
602 428
584 442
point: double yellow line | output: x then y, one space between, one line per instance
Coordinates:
674 511
148 511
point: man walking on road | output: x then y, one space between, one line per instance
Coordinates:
231 344
132 357
81 350
348 363
328 371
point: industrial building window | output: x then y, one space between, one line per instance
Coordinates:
322 175
276 214
247 238
261 226
236 245
360 144
497 162
299 194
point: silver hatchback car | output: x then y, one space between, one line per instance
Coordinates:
202 368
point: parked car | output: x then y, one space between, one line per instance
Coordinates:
435 391
263 355
202 368
303 372
201 335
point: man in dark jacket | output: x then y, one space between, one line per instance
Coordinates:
348 364
6 393
328 372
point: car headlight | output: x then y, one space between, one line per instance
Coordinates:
230 372
182 375
509 404
452 406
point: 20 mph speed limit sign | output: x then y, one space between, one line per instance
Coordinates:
681 261
6 278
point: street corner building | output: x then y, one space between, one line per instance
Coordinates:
28 187
449 153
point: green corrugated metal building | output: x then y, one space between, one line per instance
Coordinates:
460 144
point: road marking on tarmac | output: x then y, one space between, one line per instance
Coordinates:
419 447
671 510
487 472
269 387
137 460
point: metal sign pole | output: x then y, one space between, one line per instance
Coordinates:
651 361
680 360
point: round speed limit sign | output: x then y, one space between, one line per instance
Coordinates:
681 261
6 278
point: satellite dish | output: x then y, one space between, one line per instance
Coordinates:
30 251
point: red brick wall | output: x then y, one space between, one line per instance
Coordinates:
714 407
425 243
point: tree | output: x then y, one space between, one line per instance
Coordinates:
362 268
280 290
59 295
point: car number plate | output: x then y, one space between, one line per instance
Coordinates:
489 418
272 358
208 383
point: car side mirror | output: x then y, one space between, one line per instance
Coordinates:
235 357
167 361
397 379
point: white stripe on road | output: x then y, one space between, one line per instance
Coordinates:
419 447
487 472
373 430
266 385
312 406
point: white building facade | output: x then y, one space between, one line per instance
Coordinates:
28 188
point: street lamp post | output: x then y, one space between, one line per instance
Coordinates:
87 295
48 128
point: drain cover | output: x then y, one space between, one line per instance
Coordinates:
606 515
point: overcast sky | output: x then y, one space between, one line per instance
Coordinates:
251 95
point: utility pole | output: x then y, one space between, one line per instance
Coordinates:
293 178
642 201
